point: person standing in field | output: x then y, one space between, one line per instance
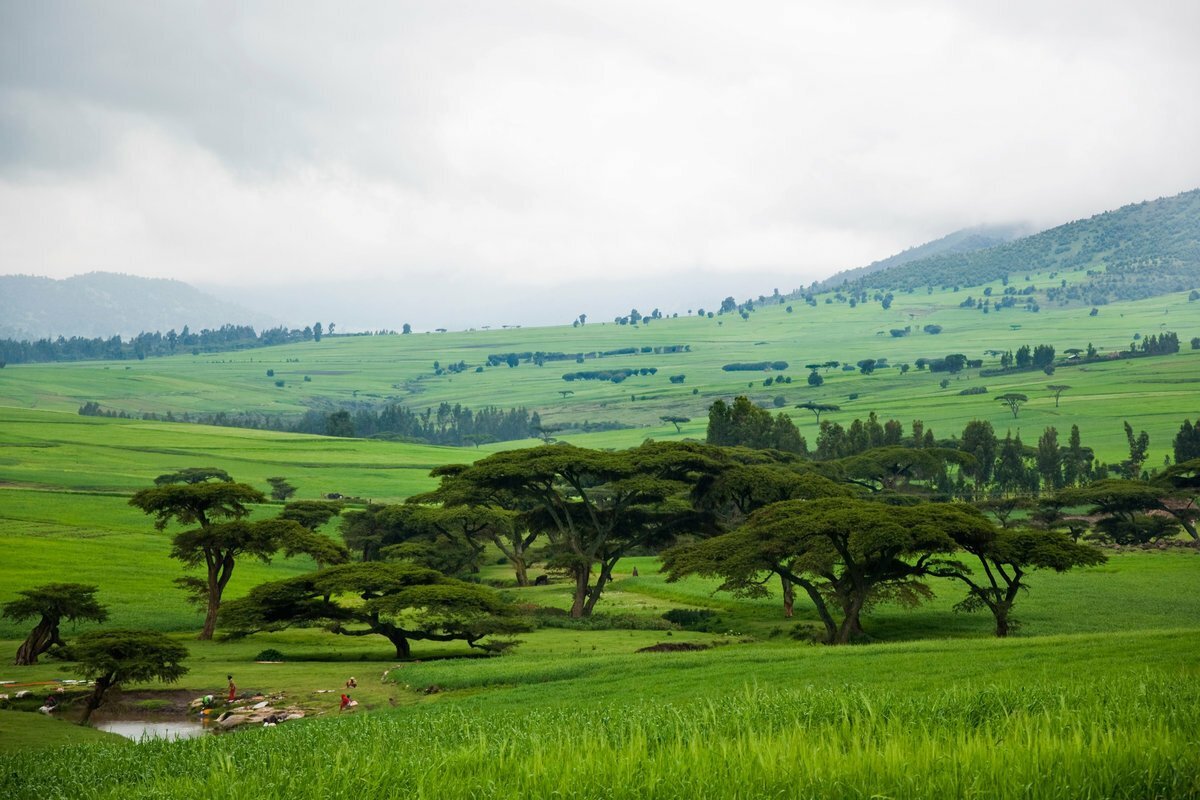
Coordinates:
232 689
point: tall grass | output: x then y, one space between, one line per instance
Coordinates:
1130 737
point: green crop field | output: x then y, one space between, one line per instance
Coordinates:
1093 696
370 371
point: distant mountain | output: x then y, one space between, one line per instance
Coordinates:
1136 251
967 240
106 303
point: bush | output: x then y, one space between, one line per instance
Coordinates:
270 373
270 654
694 619
975 390
557 618
279 384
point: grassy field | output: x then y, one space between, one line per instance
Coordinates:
1155 393
1094 696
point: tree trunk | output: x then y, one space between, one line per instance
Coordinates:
1002 623
40 639
850 627
579 604
401 643
210 617
103 684
789 596
522 573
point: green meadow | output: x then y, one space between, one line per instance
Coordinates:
1093 696
373 370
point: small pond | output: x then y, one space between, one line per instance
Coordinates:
138 729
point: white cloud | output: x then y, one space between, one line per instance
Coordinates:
529 144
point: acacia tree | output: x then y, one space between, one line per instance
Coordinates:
820 408
593 506
223 535
845 554
1005 557
741 489
50 605
675 420
487 514
1057 389
400 601
114 657
1134 511
1014 401
893 468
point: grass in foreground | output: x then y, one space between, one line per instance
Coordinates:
1127 737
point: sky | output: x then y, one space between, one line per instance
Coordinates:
465 163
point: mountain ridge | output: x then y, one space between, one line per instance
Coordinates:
107 304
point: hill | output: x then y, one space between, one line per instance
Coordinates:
1137 251
107 303
967 240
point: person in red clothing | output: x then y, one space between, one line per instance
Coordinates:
232 689
346 701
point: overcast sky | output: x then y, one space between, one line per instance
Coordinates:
503 153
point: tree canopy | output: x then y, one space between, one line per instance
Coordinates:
51 604
114 657
399 601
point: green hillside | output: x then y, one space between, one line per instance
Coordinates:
370 372
1137 251
967 240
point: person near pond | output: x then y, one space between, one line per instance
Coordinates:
232 688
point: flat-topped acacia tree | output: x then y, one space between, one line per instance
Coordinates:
594 506
113 657
399 601
219 508
845 553
51 604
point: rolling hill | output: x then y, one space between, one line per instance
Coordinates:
107 303
1136 251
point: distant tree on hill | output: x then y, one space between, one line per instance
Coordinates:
317 331
51 604
340 424
1057 389
1014 401
406 328
676 421
280 488
819 408
1139 448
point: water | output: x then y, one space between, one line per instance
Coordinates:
138 729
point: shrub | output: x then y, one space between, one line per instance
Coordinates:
974 390
694 619
270 654
279 384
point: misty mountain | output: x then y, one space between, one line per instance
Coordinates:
966 240
1139 250
106 303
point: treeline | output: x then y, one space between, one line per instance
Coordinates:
453 425
614 375
975 465
144 345
539 358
